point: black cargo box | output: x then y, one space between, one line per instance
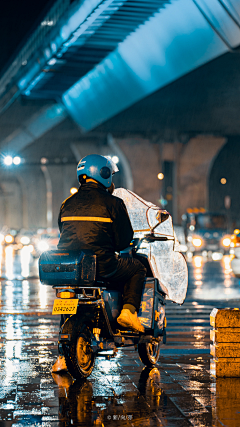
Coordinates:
67 268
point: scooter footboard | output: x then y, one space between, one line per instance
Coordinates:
152 312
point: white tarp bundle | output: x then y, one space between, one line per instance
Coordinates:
167 263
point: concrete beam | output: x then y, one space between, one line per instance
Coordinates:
40 123
178 39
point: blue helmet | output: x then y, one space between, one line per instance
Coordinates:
97 167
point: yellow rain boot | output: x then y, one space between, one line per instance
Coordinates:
129 320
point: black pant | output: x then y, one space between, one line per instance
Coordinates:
128 278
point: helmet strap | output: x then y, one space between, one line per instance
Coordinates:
91 180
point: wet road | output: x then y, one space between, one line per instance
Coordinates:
179 391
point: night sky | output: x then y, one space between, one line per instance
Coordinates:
17 18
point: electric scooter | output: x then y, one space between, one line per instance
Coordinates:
89 307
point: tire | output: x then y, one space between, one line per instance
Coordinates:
79 355
150 381
149 353
80 403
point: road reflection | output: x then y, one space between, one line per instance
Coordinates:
17 263
119 391
212 280
18 270
9 262
226 402
25 293
25 256
80 405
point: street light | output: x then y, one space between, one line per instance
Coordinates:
17 160
9 160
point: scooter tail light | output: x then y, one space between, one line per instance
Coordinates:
66 294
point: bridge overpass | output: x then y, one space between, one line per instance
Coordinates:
154 82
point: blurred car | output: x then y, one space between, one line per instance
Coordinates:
9 237
45 240
206 232
25 238
235 251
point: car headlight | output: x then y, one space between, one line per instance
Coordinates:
197 242
226 241
25 240
9 238
43 246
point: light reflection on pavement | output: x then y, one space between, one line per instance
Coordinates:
212 280
179 391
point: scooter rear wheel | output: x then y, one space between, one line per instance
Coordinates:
80 357
149 353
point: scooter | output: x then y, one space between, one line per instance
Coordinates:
89 308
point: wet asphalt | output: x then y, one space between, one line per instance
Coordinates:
179 391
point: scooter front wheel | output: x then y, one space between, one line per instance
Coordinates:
80 357
149 353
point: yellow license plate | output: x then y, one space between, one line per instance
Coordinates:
65 306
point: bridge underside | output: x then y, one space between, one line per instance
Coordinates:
204 101
128 66
153 74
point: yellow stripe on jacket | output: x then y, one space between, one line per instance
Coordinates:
85 218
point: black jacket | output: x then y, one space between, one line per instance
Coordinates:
94 219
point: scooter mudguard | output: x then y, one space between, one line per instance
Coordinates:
113 303
152 312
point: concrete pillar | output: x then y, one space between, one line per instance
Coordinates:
10 203
191 166
170 154
127 171
84 148
34 193
33 188
144 160
22 198
49 196
63 177
194 164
